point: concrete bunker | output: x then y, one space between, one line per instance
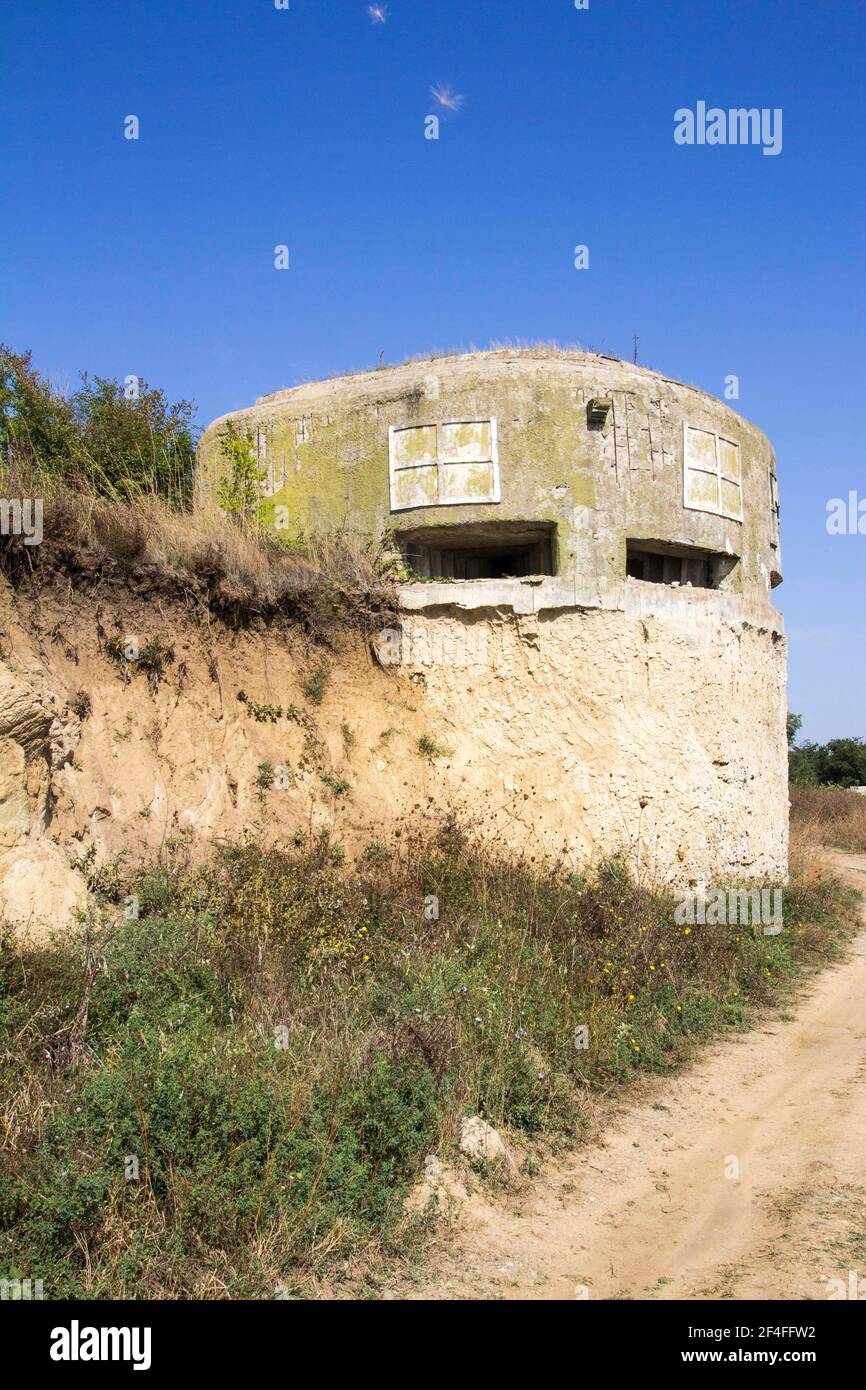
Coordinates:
593 548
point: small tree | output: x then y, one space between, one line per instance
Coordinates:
239 490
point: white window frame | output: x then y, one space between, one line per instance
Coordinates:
719 475
439 462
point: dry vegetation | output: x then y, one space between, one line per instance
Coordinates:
827 816
234 570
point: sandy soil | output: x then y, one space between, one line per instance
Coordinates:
650 1210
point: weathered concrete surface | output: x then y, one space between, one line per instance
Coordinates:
325 449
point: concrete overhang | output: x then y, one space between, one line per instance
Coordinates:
537 594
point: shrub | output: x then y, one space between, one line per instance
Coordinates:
239 490
117 439
81 704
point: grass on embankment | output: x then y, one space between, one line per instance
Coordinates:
223 566
279 1040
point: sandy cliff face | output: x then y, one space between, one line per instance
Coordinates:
575 731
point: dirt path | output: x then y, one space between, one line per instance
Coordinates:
648 1211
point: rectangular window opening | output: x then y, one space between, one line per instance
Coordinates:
655 562
485 550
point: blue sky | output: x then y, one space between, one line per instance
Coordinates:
306 127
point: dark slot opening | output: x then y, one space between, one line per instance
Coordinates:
485 550
655 562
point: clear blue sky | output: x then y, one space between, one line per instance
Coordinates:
306 127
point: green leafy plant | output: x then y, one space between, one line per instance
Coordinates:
338 785
316 684
264 780
121 439
239 488
262 713
151 659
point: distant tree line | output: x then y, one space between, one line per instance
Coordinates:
839 763
116 438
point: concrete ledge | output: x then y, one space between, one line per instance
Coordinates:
633 597
520 595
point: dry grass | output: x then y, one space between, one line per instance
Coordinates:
827 816
234 571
